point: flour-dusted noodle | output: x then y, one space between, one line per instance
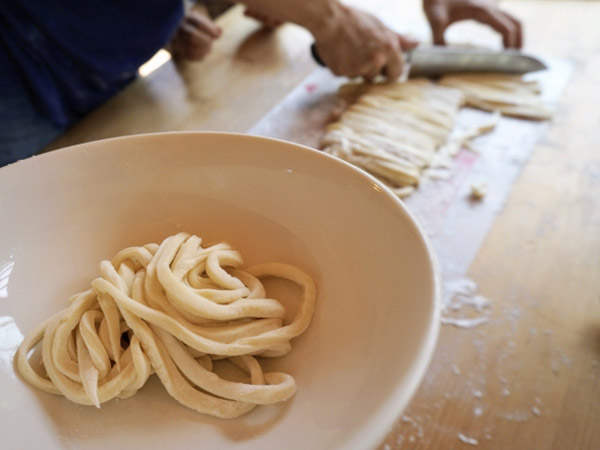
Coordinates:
394 130
400 132
509 94
171 309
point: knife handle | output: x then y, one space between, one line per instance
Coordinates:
316 56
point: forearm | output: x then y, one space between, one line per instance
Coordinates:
314 15
350 42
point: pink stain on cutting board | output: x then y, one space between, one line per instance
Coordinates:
310 87
465 158
464 162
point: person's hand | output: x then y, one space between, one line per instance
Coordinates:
194 37
442 13
349 42
354 43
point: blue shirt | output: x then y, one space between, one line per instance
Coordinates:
75 54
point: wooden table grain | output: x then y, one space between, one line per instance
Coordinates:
529 377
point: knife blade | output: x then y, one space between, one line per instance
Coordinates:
440 60
434 61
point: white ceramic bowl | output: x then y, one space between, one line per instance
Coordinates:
357 365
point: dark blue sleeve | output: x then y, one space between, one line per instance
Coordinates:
76 54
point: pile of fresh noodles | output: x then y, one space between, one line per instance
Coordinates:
398 130
171 310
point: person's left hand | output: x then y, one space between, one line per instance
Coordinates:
442 13
194 37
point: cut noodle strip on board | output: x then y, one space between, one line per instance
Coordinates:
396 131
511 95
393 130
172 310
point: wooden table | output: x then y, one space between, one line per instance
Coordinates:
529 377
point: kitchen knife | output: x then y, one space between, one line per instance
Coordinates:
439 60
431 61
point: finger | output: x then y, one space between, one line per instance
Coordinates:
204 24
194 36
375 66
195 44
518 30
508 30
407 43
394 66
500 23
437 16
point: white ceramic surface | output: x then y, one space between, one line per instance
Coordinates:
356 367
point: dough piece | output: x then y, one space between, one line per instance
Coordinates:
478 190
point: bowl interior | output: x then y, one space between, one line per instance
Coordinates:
376 321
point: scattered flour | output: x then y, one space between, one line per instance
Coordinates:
458 295
464 323
415 424
455 369
468 440
407 419
519 416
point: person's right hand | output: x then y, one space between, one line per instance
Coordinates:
354 43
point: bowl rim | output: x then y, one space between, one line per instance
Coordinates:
384 418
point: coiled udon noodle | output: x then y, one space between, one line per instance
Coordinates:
171 310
